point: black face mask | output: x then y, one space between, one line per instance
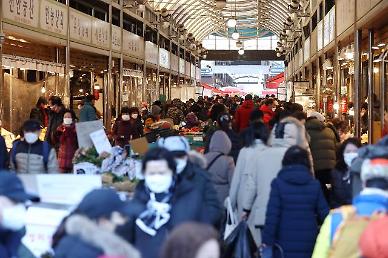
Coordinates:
126 231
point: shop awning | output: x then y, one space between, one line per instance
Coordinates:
213 89
233 90
268 92
274 81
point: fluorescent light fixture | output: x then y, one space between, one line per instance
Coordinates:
381 45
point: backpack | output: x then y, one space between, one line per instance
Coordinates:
46 153
346 230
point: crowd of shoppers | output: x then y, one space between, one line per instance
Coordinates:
280 168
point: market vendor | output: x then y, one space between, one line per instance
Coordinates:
127 126
153 118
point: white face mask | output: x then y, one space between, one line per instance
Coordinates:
180 165
14 218
125 117
349 157
158 183
67 121
274 109
134 116
31 137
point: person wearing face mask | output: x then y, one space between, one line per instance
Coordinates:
57 110
68 143
12 213
160 204
373 199
89 231
127 127
191 166
31 155
341 188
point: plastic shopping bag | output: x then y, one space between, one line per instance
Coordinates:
231 219
240 243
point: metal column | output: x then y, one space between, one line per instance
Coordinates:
168 96
121 81
158 66
108 83
144 88
357 82
67 94
370 85
383 90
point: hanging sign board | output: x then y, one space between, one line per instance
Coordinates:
198 74
164 58
24 12
320 35
181 66
53 17
80 26
151 53
192 71
329 25
133 44
188 68
175 63
100 34
116 38
332 23
306 49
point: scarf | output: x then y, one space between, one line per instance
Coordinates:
156 215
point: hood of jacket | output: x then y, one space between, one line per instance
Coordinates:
296 174
368 203
220 142
248 104
288 132
89 232
197 159
314 124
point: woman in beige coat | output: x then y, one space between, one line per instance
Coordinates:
257 166
249 160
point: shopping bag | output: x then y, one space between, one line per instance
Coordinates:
240 243
231 219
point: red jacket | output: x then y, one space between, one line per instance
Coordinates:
68 146
242 115
268 114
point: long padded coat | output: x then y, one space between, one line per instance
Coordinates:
295 206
